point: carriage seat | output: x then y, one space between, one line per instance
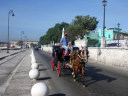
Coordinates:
63 50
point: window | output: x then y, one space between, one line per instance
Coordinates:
109 36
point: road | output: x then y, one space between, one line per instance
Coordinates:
100 80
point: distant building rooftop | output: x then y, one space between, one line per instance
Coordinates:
23 41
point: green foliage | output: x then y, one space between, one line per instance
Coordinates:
32 45
92 42
20 43
53 34
73 32
82 25
39 43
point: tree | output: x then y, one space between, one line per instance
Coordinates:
73 32
53 34
81 25
92 42
20 43
32 45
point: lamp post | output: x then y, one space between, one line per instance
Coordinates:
12 13
118 32
103 38
104 4
22 32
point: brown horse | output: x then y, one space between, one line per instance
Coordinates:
78 60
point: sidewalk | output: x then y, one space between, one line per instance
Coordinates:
3 53
20 84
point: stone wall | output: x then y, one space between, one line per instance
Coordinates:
46 49
80 43
115 57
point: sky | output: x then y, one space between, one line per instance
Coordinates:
35 17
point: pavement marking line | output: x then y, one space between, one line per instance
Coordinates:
6 84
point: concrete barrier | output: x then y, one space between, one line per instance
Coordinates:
40 89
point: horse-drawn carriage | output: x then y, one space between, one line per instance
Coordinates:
75 61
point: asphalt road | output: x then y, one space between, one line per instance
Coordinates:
100 80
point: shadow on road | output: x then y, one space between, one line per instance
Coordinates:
66 72
45 78
59 94
44 69
40 64
92 75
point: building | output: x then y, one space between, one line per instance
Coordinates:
92 35
14 43
3 44
93 38
29 43
112 36
113 33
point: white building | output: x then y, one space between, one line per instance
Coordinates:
14 43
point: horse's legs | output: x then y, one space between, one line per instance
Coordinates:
83 75
72 68
75 72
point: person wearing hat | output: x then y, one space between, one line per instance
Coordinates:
64 43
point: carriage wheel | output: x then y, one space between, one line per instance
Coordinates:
52 64
58 69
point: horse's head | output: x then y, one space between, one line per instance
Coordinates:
84 53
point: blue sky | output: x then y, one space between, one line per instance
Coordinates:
35 17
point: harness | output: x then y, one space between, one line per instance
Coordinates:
78 57
75 54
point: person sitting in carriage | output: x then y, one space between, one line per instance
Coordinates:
64 43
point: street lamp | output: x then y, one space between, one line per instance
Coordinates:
104 4
12 13
118 32
22 32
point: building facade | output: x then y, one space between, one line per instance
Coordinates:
113 34
14 43
3 44
92 35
